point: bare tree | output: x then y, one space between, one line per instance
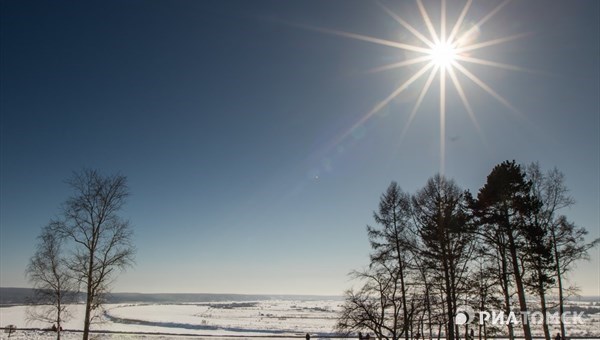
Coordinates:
376 306
392 243
53 285
566 241
569 246
441 248
381 305
423 268
101 238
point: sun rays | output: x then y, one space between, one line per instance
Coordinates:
443 54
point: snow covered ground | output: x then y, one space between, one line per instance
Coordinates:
262 318
265 318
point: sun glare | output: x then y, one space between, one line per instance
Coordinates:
443 54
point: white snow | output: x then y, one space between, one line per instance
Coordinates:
279 318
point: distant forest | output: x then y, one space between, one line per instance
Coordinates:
21 296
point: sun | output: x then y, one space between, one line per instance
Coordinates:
443 54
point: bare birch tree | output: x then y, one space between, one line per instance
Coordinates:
53 285
102 239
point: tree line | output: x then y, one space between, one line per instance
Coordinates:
81 250
442 249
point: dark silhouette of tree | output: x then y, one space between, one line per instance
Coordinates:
53 285
569 247
504 205
375 306
441 248
382 305
484 285
443 224
563 242
425 280
391 243
539 266
101 238
493 248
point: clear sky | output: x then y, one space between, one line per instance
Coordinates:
226 118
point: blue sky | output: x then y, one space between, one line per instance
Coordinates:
226 117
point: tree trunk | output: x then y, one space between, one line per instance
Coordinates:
519 284
86 321
401 272
429 311
454 299
404 309
58 314
58 326
449 312
544 311
481 307
561 306
88 300
505 291
427 303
